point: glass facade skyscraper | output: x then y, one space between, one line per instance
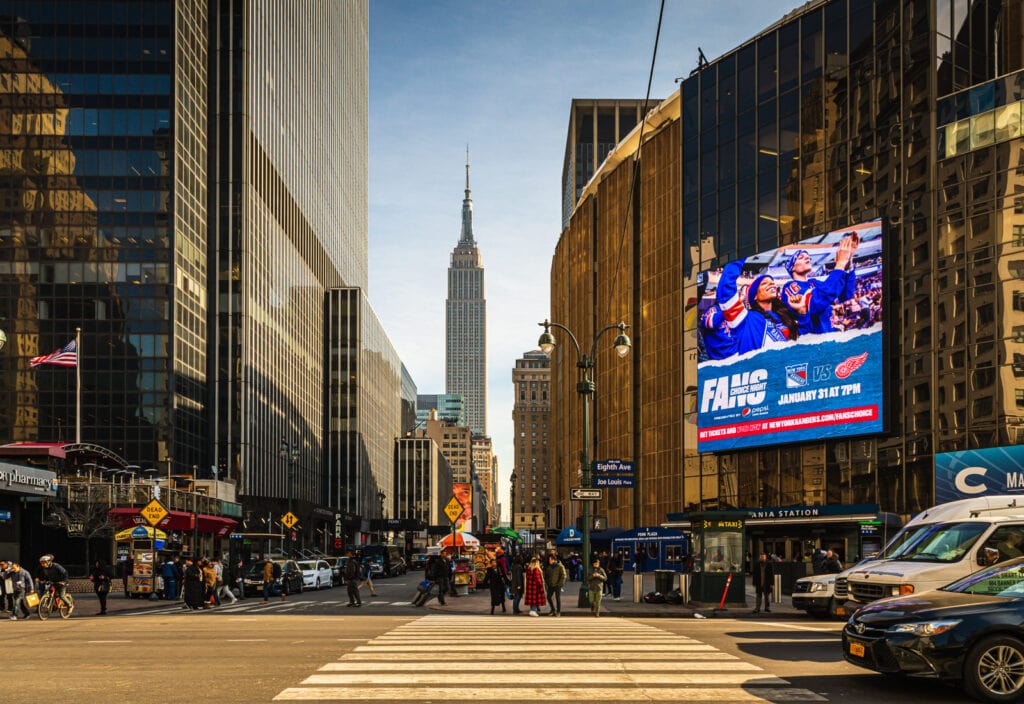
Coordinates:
103 222
843 112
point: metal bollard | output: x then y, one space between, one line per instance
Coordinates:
777 588
638 587
684 586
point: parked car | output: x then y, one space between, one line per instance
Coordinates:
970 632
316 574
418 561
337 565
385 560
290 581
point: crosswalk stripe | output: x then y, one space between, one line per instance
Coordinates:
560 678
674 663
611 661
533 694
540 645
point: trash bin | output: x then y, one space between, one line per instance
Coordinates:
663 581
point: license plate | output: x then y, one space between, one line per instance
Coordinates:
856 650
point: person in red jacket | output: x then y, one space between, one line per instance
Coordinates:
534 587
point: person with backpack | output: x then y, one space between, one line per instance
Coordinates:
271 573
351 574
366 574
437 571
615 568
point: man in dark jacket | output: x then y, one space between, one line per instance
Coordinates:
438 571
764 579
554 577
236 577
831 563
351 573
21 584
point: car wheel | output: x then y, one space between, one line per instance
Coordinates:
318 584
994 669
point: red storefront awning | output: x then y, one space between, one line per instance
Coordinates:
176 520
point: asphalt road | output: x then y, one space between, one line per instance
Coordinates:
313 648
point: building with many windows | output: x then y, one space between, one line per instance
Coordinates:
843 112
449 407
466 323
536 489
423 481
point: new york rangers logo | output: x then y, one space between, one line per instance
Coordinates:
796 375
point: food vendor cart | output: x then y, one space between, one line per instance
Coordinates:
145 545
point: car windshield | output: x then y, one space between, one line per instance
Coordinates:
942 542
904 540
307 565
1005 580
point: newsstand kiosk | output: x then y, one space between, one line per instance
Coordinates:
719 550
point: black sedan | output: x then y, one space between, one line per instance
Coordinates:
970 632
290 581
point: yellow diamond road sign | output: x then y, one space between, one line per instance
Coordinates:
289 519
154 512
453 510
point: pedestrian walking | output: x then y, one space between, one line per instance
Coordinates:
438 571
831 564
21 587
615 569
640 565
236 576
595 586
764 579
101 577
603 559
222 589
534 587
496 585
193 588
169 572
351 573
555 577
517 582
6 587
366 574
125 569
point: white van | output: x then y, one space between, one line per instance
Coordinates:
941 545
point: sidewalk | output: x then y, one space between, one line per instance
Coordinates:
479 602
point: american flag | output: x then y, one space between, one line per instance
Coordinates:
66 356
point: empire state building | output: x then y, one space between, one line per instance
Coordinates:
466 319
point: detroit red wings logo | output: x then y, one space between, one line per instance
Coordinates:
849 365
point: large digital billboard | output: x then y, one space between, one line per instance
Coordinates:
790 343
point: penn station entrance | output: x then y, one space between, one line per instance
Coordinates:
794 533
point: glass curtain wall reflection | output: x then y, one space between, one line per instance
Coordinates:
102 197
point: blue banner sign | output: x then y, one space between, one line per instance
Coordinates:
790 343
614 467
5 516
623 481
969 473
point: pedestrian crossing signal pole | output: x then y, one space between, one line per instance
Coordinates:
585 387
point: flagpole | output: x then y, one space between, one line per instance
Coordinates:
78 386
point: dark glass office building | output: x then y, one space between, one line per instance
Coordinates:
103 223
843 112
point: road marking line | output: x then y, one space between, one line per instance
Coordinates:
837 631
555 678
659 666
246 640
400 603
533 694
108 641
539 646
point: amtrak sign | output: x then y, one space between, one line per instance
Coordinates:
968 473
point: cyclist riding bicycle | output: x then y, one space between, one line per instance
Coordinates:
51 572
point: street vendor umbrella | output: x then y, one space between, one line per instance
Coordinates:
507 533
459 540
139 533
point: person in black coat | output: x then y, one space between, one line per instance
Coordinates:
101 578
195 589
496 584
763 573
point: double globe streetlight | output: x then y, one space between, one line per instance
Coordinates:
585 387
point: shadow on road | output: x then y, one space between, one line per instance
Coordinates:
871 688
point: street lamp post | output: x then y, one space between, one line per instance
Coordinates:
290 452
382 497
585 387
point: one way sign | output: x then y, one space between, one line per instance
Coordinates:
580 494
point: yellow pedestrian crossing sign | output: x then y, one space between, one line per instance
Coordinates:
453 510
153 512
289 519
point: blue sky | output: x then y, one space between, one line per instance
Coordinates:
500 76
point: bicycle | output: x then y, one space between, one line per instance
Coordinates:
51 600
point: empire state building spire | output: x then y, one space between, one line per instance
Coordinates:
467 210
